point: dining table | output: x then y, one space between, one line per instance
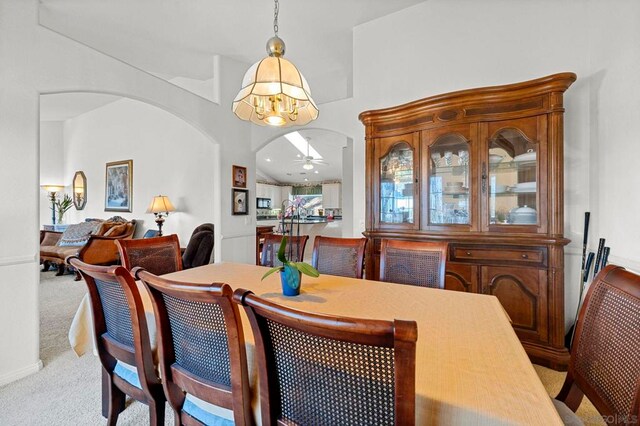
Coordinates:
471 369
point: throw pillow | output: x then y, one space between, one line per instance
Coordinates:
116 231
78 234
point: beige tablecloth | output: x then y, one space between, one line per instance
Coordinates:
470 366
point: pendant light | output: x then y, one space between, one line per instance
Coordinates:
273 91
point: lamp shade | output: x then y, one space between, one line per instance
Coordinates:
52 188
274 92
160 204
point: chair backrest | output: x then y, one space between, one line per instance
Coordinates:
413 262
200 247
339 256
119 321
321 369
159 255
605 356
201 344
272 245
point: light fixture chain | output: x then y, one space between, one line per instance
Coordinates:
275 17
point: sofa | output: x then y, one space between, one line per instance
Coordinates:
93 241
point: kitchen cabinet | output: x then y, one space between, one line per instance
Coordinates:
483 170
273 192
285 194
332 195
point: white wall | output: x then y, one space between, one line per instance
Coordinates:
35 61
614 37
51 163
169 156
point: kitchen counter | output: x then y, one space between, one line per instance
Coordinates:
302 221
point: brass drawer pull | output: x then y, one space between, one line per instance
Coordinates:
468 253
525 256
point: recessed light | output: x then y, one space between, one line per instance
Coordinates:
298 155
268 160
316 172
306 180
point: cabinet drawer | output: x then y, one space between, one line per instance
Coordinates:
521 255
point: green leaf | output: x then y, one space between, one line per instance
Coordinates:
271 271
306 269
283 245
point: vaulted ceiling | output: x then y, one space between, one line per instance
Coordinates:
173 38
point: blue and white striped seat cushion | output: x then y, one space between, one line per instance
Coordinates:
128 373
209 414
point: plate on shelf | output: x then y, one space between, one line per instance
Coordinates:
515 190
527 156
529 186
456 191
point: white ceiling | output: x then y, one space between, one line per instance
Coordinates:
63 106
179 38
282 154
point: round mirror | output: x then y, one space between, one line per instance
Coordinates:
79 190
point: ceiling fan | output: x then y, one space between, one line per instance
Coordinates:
309 160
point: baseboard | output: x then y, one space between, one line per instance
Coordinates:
20 373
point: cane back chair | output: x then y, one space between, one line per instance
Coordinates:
319 369
605 355
122 338
159 255
201 350
413 262
339 256
295 245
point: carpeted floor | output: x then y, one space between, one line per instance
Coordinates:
67 390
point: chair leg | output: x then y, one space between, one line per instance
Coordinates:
156 412
61 269
46 265
570 394
113 399
78 277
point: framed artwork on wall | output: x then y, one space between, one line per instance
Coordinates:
239 177
239 201
118 192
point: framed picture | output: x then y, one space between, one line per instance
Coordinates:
239 201
239 177
118 186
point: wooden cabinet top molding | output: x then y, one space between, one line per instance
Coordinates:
487 103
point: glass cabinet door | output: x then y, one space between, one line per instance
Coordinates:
449 180
513 178
397 185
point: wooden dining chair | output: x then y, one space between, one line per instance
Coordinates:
122 339
322 369
339 256
605 355
272 245
201 350
159 255
419 263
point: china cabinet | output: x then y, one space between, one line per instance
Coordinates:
483 170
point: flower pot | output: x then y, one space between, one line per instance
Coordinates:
290 279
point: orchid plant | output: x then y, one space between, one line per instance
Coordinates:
291 267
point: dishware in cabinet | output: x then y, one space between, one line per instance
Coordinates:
449 181
514 175
396 182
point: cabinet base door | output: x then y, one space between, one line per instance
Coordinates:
523 294
461 278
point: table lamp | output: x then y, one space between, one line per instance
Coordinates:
52 190
160 206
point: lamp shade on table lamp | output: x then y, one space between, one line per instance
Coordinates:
160 206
